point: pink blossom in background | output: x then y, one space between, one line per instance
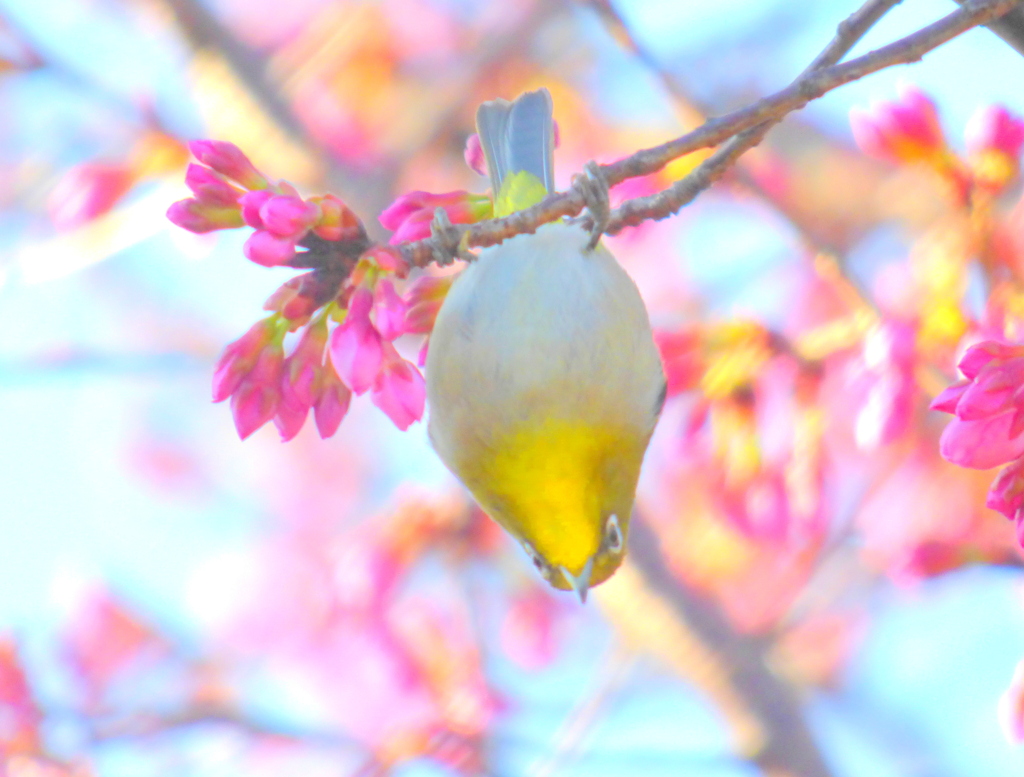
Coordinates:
993 128
19 715
888 361
88 190
1011 707
528 631
907 130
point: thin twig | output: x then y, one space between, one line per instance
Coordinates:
807 87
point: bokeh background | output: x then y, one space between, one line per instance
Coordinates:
182 602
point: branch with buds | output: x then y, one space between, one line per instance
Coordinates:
351 282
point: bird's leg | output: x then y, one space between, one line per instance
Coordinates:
593 186
450 242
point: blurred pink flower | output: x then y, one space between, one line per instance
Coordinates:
399 389
682 359
1011 707
88 190
993 128
337 221
227 159
423 300
19 716
888 360
251 203
904 131
104 638
474 155
356 347
528 630
410 215
988 429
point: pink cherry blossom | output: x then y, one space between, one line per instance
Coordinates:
227 159
201 217
399 389
993 128
332 403
87 191
904 131
256 399
410 215
269 250
209 187
287 216
251 203
388 313
239 358
988 429
423 300
356 348
474 155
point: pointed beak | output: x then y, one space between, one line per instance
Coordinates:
581 583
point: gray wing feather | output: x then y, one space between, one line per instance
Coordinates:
518 136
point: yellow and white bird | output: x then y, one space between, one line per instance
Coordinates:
543 380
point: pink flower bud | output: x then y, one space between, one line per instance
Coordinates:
289 217
87 191
903 131
209 187
399 389
300 377
474 155
1006 494
388 313
410 215
201 217
227 159
251 203
256 399
995 128
988 429
332 404
356 349
337 221
290 419
269 250
239 358
423 301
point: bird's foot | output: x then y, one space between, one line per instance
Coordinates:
450 242
593 186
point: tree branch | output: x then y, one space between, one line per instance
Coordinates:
810 85
786 747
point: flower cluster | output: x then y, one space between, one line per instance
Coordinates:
908 131
348 308
988 425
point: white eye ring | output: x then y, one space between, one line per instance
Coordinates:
613 534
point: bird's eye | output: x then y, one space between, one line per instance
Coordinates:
535 558
613 534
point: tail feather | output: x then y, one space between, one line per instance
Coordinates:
518 136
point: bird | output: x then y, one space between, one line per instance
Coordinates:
543 380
